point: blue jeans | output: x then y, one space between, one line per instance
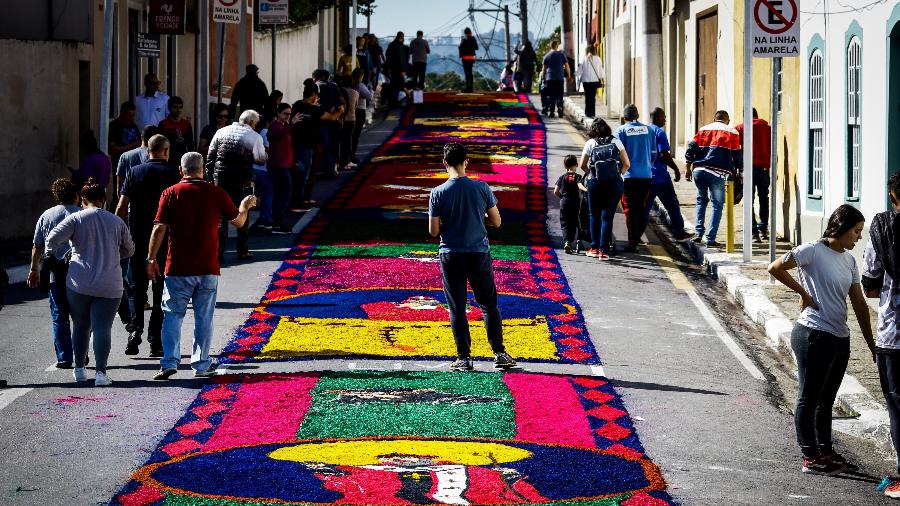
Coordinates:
282 185
665 192
201 290
92 315
263 186
305 158
59 315
603 199
709 187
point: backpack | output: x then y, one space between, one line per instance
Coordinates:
604 163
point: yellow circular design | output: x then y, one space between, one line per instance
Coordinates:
367 453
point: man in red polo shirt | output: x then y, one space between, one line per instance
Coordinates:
190 211
762 161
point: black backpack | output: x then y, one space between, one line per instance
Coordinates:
604 162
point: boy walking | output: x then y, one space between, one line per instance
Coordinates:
881 279
568 188
458 211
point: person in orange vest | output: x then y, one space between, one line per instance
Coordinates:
762 161
467 49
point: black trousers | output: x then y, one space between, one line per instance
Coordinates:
569 209
590 98
418 74
470 79
761 185
821 362
235 186
888 362
478 270
139 284
346 145
555 91
634 202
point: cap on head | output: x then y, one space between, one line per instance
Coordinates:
252 69
630 112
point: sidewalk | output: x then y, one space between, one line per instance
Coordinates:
773 307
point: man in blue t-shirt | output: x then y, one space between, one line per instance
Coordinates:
458 211
555 71
662 186
640 144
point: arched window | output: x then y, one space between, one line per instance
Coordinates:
816 123
854 113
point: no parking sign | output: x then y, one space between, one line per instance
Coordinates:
775 29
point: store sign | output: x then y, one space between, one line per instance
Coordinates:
227 11
167 17
273 12
776 32
148 45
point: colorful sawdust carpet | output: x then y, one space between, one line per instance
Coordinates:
363 282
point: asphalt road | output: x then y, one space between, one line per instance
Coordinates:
721 435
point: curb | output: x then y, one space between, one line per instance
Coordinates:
872 422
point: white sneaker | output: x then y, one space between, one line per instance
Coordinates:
102 380
80 374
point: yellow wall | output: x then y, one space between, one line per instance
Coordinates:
788 128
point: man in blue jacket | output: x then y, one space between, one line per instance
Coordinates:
640 144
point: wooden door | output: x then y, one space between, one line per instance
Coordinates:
707 41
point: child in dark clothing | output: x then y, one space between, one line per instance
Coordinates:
568 188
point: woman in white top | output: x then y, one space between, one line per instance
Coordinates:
346 142
603 161
821 338
591 75
365 94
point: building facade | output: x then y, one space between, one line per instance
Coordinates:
848 144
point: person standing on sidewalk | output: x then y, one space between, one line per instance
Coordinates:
603 160
640 144
137 206
821 338
555 72
134 157
881 279
124 135
419 49
526 60
568 189
592 75
232 152
177 129
250 93
458 211
65 194
190 212
151 104
662 186
99 240
715 155
468 49
762 160
281 163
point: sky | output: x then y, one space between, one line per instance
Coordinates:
443 17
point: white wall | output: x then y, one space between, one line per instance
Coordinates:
296 54
873 118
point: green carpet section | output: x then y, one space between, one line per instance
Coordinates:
499 252
347 405
361 231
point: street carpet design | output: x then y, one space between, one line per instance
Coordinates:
363 282
364 279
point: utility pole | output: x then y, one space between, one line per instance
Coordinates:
523 16
651 63
568 40
506 18
353 60
273 56
496 10
106 77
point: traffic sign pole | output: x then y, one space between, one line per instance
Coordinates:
748 130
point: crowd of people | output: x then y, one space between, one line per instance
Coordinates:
167 209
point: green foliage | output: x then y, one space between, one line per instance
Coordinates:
452 81
543 45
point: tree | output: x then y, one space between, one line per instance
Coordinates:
452 81
305 12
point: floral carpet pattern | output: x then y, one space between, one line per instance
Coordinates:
364 282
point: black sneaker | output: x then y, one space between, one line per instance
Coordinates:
822 465
164 374
698 240
156 350
756 239
462 364
64 365
504 361
837 458
630 249
208 373
134 340
712 244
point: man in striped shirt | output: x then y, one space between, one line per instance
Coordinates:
715 155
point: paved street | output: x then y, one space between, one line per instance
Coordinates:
350 345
